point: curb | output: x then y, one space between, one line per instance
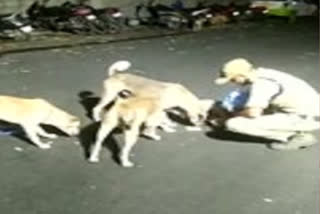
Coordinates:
64 40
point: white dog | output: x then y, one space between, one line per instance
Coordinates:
30 113
170 95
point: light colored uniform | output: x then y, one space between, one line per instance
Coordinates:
293 103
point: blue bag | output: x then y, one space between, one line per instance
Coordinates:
235 100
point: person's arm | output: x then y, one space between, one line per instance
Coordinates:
261 93
250 112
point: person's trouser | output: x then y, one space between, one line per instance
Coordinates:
279 126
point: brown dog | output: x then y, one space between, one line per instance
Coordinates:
30 113
132 114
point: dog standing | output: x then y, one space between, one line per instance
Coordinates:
170 95
132 115
30 113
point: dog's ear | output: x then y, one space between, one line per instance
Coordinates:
207 104
125 94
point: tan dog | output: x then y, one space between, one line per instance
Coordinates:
30 113
170 95
132 115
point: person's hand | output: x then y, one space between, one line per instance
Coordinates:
249 112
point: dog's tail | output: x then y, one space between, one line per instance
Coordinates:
121 65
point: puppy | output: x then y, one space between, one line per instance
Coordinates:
30 113
132 114
170 95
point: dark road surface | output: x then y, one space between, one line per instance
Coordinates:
185 173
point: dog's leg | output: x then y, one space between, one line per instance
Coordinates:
167 128
43 133
96 112
151 125
31 131
150 132
166 124
166 120
131 137
105 128
109 93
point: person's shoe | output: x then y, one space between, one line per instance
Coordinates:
295 142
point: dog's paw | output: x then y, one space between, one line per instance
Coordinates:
52 136
93 160
169 123
156 137
168 129
173 124
45 146
282 146
153 137
193 128
127 164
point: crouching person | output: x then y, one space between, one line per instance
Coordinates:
270 104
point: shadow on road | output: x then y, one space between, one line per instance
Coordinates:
221 134
87 138
88 101
16 131
88 134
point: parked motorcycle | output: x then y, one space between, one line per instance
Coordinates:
69 17
76 18
173 17
247 13
110 19
160 15
14 26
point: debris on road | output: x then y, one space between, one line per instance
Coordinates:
24 71
268 200
18 149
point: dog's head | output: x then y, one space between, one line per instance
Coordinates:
199 113
63 120
72 126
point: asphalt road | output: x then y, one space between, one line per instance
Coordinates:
187 172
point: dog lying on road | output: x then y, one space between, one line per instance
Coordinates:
30 113
170 95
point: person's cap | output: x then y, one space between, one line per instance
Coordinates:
234 68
